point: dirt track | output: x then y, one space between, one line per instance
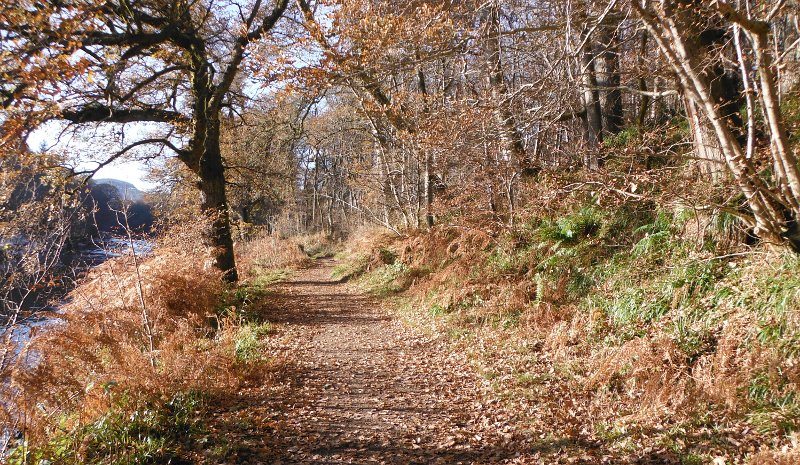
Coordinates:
357 386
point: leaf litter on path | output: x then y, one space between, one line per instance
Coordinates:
356 386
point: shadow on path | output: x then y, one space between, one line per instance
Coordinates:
358 387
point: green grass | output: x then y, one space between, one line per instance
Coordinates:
504 261
153 433
692 458
387 256
438 310
639 275
242 303
695 333
249 342
571 228
622 138
350 266
268 278
386 280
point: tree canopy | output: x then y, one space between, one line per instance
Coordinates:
452 104
173 63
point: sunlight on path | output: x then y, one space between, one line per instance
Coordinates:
365 389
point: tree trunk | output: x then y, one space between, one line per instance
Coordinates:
428 189
787 31
607 63
771 218
214 202
705 44
785 162
423 89
593 121
205 159
710 160
380 171
644 103
510 136
315 192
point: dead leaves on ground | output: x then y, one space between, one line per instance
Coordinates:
358 387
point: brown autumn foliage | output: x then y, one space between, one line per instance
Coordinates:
100 344
788 455
512 319
439 112
264 252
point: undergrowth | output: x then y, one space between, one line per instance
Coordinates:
126 373
318 245
158 432
638 309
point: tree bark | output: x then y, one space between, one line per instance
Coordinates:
644 103
704 41
607 63
429 220
214 202
593 120
706 146
771 219
204 158
510 136
428 157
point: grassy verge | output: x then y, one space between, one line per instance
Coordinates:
635 322
113 387
126 434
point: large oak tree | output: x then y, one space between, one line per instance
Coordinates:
174 64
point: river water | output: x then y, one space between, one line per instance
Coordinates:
36 316
91 255
110 247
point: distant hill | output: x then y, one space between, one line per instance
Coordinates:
109 196
127 190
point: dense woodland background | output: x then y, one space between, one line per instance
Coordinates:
615 183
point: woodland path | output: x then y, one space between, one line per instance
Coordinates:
356 386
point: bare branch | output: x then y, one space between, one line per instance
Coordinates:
94 113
